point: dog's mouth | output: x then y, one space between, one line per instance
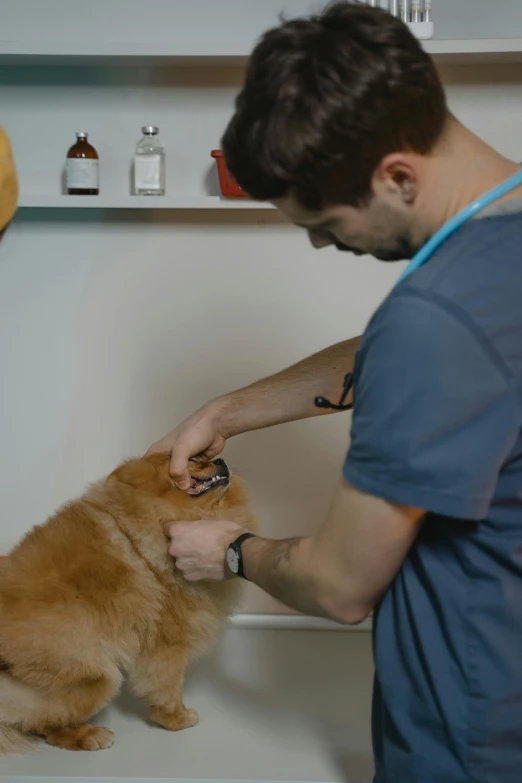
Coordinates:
200 485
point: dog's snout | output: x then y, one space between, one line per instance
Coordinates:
222 465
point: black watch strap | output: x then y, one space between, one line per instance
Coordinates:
236 545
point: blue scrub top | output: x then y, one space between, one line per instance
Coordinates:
437 425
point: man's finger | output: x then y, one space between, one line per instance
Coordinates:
179 471
179 461
171 528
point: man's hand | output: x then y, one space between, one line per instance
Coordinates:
201 436
200 548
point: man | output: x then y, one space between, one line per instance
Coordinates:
343 124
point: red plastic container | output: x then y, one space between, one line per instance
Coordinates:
227 183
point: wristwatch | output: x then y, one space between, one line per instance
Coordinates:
235 555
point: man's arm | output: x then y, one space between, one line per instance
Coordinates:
340 573
289 395
343 571
286 396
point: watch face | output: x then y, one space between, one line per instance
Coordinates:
233 560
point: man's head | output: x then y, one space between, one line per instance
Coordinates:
334 114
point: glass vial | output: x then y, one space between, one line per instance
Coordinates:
149 164
405 11
395 7
428 11
82 168
416 11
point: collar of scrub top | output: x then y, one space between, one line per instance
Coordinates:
424 255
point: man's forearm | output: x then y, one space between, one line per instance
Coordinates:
285 570
290 394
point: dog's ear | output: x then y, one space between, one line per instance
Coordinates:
140 474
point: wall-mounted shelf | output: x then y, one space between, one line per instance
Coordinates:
192 107
38 201
294 622
483 50
480 50
66 52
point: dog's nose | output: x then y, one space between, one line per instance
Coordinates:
222 467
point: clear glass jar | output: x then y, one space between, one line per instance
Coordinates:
149 164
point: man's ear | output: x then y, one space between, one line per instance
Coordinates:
8 182
399 175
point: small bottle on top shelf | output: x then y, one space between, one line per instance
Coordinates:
149 164
416 11
82 168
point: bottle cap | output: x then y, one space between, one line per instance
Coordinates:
150 130
82 135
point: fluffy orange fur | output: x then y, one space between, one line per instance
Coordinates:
93 593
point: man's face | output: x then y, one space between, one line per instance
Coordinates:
381 228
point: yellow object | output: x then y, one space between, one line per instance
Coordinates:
8 181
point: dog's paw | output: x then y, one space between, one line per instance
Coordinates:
80 738
191 718
175 721
98 739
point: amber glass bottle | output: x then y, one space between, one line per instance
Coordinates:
82 168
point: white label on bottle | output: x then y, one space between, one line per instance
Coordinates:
82 174
147 172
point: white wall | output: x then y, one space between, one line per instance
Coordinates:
111 331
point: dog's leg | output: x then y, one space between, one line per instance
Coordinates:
158 677
63 724
82 737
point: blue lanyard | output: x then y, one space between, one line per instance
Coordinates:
433 244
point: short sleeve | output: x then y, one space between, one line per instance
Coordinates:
435 414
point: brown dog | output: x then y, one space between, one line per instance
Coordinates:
93 592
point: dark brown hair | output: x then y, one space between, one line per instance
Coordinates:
325 99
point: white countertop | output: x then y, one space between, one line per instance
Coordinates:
274 706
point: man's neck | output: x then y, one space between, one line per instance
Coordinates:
461 169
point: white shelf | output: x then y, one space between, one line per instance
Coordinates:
270 709
480 50
291 622
445 51
112 53
39 201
